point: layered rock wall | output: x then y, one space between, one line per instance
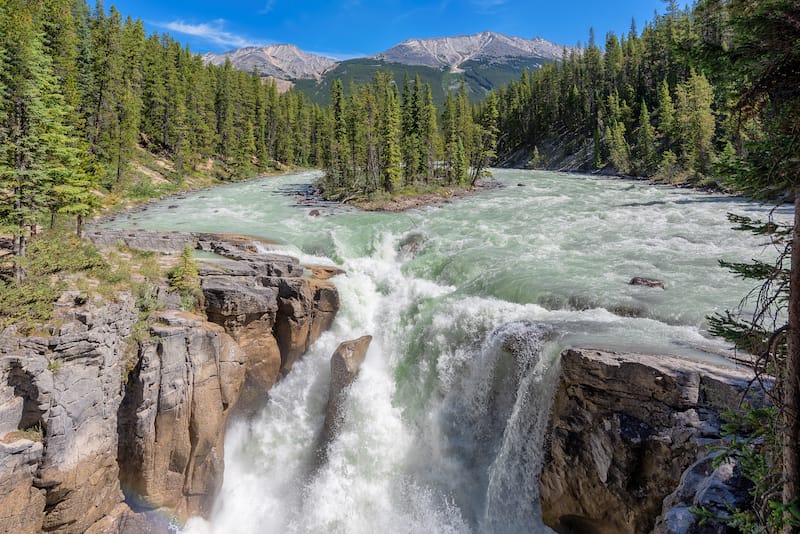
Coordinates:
71 427
63 388
623 430
172 422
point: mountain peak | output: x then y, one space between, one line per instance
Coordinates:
282 61
451 52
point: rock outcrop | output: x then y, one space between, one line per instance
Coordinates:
172 422
345 365
72 428
64 389
272 311
623 429
646 282
717 489
263 314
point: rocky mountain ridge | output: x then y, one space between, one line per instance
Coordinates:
280 61
452 52
288 62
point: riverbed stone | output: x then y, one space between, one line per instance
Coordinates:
646 282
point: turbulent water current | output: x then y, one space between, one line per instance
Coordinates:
469 303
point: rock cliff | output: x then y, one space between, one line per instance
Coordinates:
74 434
623 430
172 421
62 389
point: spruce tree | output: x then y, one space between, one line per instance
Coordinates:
486 137
766 54
429 132
666 115
38 151
391 163
645 153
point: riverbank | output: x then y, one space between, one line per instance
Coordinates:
132 204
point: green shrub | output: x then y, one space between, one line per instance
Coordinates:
185 280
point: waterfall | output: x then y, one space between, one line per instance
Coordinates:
442 429
444 425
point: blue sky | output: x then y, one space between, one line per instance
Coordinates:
345 28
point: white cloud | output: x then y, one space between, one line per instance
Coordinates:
213 31
268 6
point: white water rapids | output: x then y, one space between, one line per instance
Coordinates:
444 426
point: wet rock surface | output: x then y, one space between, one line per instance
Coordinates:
646 282
345 366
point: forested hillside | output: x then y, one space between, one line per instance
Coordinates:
84 92
656 103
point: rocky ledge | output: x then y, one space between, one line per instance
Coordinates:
628 446
85 415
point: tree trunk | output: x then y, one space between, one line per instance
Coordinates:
20 246
791 382
79 226
119 162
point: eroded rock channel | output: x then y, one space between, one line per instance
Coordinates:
92 446
98 439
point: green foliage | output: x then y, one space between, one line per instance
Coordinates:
536 160
654 103
381 141
619 152
30 302
32 433
46 256
754 442
184 279
668 170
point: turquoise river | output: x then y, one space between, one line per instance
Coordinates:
443 430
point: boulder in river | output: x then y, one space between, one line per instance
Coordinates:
646 282
345 365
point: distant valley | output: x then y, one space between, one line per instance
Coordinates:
481 61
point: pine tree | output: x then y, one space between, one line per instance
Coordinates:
339 151
695 122
429 133
38 151
391 157
645 153
619 152
666 115
486 137
766 53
